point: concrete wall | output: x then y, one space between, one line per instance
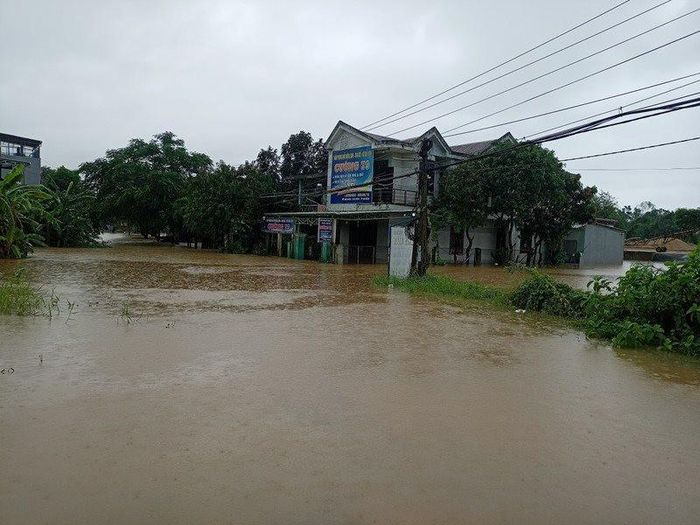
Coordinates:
602 246
401 252
32 168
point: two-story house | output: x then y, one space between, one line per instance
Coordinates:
381 177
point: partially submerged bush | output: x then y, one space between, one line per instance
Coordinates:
651 306
542 293
648 307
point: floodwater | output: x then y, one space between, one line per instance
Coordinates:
196 387
511 277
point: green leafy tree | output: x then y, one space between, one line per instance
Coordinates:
223 208
70 221
140 183
268 162
21 209
462 203
303 159
529 191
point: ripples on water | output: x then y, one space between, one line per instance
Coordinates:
266 390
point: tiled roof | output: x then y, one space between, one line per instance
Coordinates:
476 148
473 148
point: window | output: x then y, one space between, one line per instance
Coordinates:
16 150
383 183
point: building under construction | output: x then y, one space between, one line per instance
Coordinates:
15 150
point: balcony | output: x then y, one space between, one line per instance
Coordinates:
394 196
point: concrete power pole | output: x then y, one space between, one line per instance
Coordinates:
419 265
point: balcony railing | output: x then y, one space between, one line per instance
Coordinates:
395 196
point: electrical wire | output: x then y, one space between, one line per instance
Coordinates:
655 110
651 146
501 64
614 109
539 60
567 84
592 126
588 103
641 169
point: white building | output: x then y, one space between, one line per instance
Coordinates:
381 175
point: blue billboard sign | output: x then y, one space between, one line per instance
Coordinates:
354 169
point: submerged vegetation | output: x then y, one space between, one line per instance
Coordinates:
446 287
19 297
646 307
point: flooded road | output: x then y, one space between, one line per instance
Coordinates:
196 387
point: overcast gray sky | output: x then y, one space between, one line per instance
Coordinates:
231 77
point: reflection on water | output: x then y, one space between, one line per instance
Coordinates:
265 390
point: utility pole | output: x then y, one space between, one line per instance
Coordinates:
419 264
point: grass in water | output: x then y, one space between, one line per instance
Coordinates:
18 297
445 287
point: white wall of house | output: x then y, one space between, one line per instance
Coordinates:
484 239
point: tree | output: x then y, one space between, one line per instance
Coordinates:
303 158
462 203
688 219
70 203
523 188
268 162
139 184
20 211
223 208
605 206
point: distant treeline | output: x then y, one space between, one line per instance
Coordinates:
157 188
646 220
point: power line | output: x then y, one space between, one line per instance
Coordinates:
586 128
646 112
641 169
539 60
582 104
549 73
615 109
592 126
651 146
562 86
501 64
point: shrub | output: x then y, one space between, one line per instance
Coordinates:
648 307
542 293
651 306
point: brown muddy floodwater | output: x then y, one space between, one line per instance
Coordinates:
251 390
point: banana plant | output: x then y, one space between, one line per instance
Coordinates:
21 209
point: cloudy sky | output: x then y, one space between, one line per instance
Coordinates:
231 77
